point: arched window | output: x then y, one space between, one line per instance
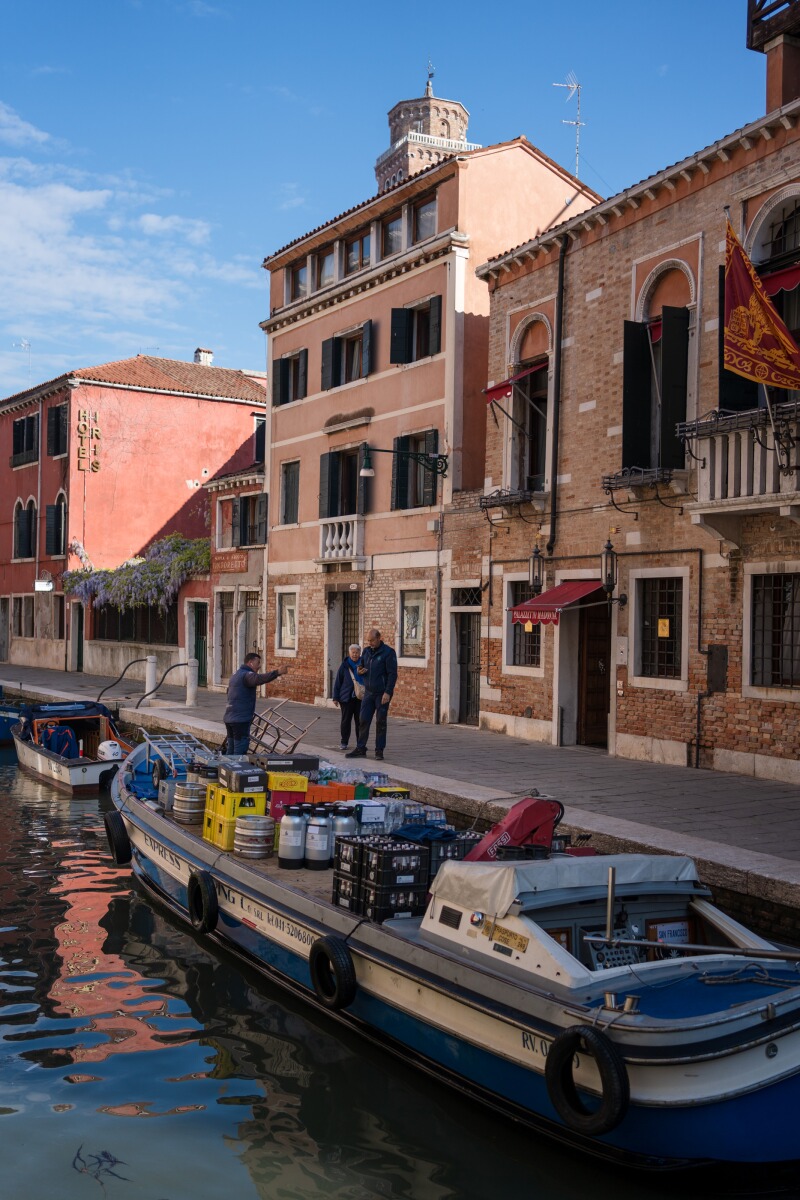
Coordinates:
445 129
25 529
55 537
529 408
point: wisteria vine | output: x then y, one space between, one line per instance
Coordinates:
153 580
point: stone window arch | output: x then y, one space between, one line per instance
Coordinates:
775 229
25 529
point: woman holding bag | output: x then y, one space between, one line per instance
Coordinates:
347 693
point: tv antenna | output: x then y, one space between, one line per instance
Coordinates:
573 89
24 344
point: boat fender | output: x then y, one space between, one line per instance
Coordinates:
158 772
118 841
615 1095
106 777
333 975
203 904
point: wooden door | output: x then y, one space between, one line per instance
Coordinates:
468 637
594 678
227 623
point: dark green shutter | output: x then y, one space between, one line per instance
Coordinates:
736 394
261 519
401 336
236 529
335 484
62 428
53 415
637 374
331 363
51 523
261 439
674 370
400 473
280 382
366 349
435 336
244 522
430 478
324 485
361 494
19 437
302 375
23 538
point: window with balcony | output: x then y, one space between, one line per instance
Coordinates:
57 430
25 530
298 281
416 331
55 533
392 235
342 491
290 378
25 441
524 649
347 357
775 631
356 253
290 493
654 388
424 220
325 267
242 521
413 485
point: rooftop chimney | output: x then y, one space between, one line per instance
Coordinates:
774 29
203 357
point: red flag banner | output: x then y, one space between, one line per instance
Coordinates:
757 344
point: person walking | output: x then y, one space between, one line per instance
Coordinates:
348 691
242 702
377 669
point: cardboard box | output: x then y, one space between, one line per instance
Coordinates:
287 781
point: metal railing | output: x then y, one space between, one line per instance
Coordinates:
428 139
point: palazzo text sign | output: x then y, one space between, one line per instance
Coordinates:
235 560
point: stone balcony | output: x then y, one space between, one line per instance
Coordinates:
341 539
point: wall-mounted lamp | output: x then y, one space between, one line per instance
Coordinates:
536 571
437 463
609 575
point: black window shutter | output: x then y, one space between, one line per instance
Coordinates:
366 349
361 493
402 324
32 433
261 519
261 439
736 394
674 368
32 530
280 382
19 437
53 429
236 529
335 484
435 341
400 473
62 429
23 535
302 376
636 388
244 521
61 529
51 523
324 485
430 479
331 363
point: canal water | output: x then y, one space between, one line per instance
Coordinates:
136 1065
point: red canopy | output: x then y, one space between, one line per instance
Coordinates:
782 281
547 608
499 390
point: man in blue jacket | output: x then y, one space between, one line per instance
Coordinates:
377 670
347 692
242 702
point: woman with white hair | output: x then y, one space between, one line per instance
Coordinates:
347 692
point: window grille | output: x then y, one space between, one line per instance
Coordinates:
660 617
776 631
465 597
526 648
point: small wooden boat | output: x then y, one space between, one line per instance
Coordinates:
75 746
604 1001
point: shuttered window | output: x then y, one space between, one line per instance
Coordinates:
414 485
260 447
654 385
55 532
348 357
25 530
25 440
290 378
57 430
342 490
290 493
416 332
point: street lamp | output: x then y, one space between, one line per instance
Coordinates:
437 463
536 571
609 574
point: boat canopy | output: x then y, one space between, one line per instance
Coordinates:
492 888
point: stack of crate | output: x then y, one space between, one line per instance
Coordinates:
456 848
380 877
241 790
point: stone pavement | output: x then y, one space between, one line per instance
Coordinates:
744 832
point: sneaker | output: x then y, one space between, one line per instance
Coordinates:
379 755
343 746
359 752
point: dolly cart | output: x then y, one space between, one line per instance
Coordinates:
169 754
272 732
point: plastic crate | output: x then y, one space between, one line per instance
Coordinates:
348 854
348 893
211 797
240 804
280 801
287 781
224 832
456 848
242 777
209 825
380 903
395 864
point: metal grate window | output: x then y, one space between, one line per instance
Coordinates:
776 631
660 618
526 648
784 232
465 597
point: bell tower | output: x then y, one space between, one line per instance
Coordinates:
422 132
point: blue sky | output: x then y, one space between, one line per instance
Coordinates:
152 152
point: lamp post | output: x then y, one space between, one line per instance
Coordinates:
609 575
536 571
436 463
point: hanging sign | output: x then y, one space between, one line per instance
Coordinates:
88 441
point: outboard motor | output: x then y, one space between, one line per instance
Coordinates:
109 751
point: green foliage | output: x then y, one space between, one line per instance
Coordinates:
153 580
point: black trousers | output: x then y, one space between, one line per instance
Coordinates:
350 709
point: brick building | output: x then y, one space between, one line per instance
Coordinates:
95 466
612 416
377 342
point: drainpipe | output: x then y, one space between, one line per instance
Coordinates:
551 541
701 696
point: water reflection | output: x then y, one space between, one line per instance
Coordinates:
147 1067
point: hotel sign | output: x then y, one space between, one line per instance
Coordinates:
88 441
231 561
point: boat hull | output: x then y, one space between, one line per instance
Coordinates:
75 776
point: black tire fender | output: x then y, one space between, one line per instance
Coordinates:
333 976
158 772
118 841
202 902
615 1094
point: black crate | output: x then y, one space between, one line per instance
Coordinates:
298 764
348 893
396 864
456 848
242 777
380 903
348 854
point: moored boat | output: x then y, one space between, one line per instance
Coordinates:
75 745
604 1001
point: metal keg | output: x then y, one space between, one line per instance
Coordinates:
254 837
189 803
318 840
291 842
343 824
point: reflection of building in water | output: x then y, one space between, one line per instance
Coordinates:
124 1014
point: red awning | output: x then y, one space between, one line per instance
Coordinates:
782 281
547 608
500 390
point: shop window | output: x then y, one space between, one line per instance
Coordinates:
148 624
775 617
412 624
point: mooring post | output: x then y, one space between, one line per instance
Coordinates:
150 676
192 668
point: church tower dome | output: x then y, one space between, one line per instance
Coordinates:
422 132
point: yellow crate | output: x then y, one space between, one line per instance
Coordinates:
209 825
212 790
286 781
240 804
224 832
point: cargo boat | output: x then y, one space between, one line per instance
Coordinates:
75 746
603 1001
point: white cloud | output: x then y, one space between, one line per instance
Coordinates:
196 232
16 132
291 196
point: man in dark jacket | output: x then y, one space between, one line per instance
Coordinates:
377 670
242 702
347 692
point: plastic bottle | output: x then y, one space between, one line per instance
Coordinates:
291 840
